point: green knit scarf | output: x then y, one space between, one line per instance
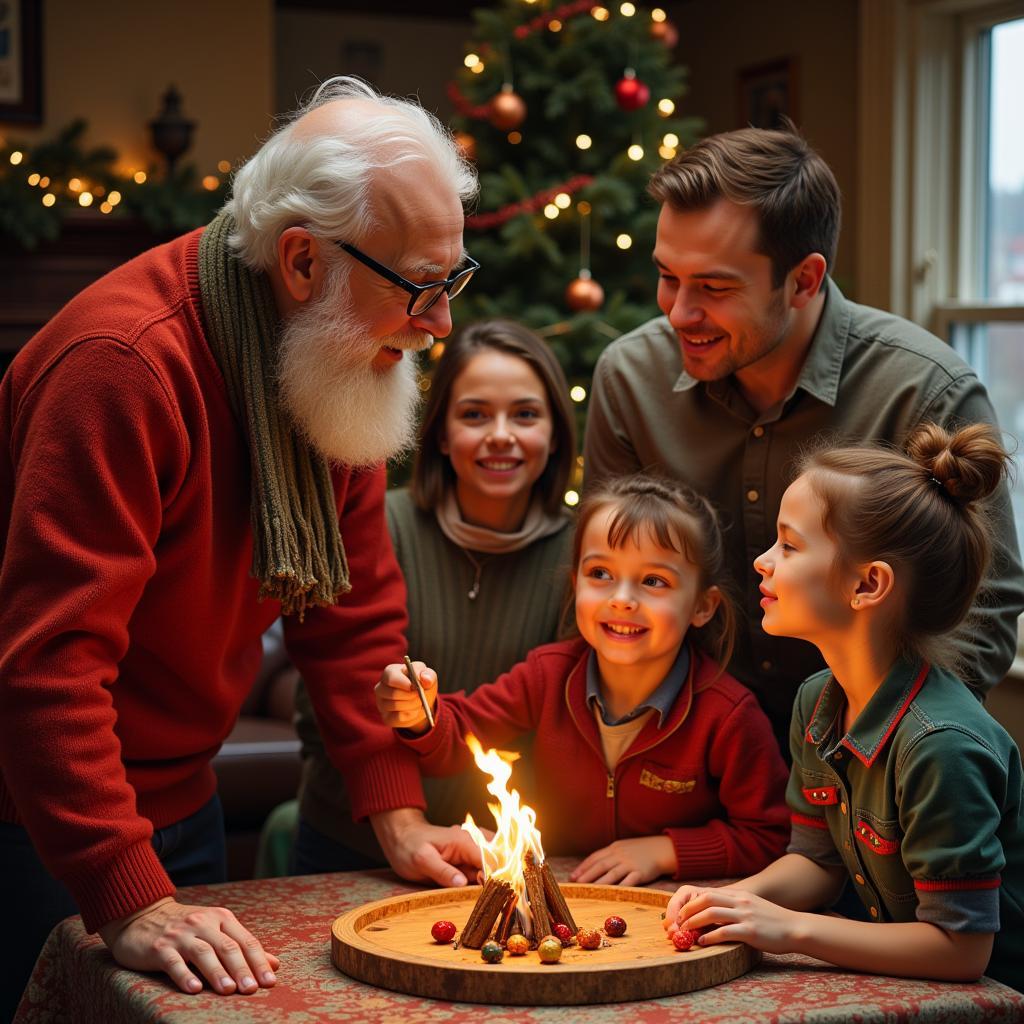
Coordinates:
297 555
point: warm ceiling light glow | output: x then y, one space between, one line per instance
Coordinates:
44 182
658 14
627 9
666 152
17 156
33 179
572 498
555 25
666 107
624 241
85 199
671 139
224 166
477 68
114 198
211 182
600 13
563 200
578 393
139 177
105 207
49 199
471 60
583 208
584 142
551 211
515 138
75 185
635 152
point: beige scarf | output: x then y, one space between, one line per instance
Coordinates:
298 555
536 525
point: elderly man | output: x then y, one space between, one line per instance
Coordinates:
759 353
203 428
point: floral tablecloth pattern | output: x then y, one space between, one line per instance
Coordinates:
75 980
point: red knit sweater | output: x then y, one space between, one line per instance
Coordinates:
129 625
710 778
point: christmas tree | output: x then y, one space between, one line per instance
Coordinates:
566 110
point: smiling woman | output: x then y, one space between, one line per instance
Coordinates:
482 537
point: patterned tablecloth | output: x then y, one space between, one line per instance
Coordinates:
75 980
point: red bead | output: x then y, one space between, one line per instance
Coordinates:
588 938
685 938
443 931
615 926
563 933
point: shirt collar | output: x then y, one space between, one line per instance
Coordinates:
661 700
824 361
876 722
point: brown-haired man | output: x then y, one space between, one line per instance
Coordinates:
758 353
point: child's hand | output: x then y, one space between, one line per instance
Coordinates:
628 862
742 917
397 700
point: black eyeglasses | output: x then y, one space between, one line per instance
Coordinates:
422 296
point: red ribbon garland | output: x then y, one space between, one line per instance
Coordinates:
563 13
484 221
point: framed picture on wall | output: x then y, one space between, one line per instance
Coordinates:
768 93
21 61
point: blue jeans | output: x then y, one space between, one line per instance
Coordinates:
192 852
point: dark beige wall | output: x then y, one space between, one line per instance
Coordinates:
718 39
111 63
400 55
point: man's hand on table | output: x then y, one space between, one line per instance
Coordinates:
420 851
628 862
167 936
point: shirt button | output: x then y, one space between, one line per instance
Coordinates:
758 431
859 879
873 911
752 495
842 807
766 666
839 755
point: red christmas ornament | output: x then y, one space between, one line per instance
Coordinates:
584 293
507 110
466 144
588 938
443 931
630 92
615 926
685 938
666 32
562 933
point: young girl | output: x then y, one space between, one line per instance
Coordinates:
650 759
901 780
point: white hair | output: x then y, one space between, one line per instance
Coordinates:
324 183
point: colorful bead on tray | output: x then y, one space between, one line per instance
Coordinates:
443 931
563 932
518 945
685 938
589 938
615 926
492 952
549 949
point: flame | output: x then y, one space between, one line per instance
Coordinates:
516 830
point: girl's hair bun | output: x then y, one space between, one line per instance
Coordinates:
967 465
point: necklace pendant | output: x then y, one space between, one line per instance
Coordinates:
474 590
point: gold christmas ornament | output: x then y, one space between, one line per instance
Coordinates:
584 294
507 110
466 144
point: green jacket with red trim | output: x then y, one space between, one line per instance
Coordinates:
710 777
921 803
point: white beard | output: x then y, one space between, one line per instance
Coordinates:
351 412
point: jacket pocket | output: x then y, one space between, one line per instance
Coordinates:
878 841
677 780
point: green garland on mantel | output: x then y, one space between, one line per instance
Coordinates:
41 185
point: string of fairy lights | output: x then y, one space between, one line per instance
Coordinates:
85 193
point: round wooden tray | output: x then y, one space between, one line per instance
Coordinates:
387 943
